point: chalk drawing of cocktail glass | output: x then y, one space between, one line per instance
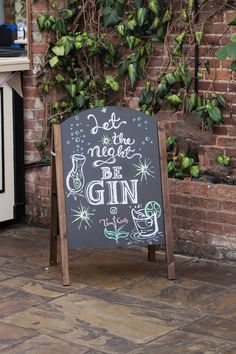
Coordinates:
145 220
75 178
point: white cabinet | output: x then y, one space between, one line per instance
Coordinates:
7 184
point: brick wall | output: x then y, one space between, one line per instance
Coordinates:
203 217
203 214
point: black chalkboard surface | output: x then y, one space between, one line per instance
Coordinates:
112 184
112 179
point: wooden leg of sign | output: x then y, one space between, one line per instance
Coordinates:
54 217
166 203
151 253
61 206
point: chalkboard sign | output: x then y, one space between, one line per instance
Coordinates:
110 177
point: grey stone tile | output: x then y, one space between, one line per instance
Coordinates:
213 326
179 342
11 334
45 345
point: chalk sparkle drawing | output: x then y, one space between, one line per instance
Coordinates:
106 140
117 233
75 179
145 220
83 216
144 169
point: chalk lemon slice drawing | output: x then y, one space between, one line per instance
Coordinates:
152 208
77 183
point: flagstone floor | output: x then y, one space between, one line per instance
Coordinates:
117 302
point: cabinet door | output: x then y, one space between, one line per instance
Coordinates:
7 189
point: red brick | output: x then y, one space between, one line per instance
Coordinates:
222 217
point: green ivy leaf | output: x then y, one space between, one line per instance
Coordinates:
187 162
123 68
171 168
184 15
180 38
71 89
41 22
120 7
171 79
233 66
53 61
67 13
192 102
58 50
161 89
198 36
114 85
121 29
131 25
174 100
146 97
154 6
142 66
160 34
229 50
110 17
155 25
207 66
142 16
56 106
133 73
190 4
232 22
68 43
59 78
167 16
233 38
61 26
130 41
214 113
195 171
222 102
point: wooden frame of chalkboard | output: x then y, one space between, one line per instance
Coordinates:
58 202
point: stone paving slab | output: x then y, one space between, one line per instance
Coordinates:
182 292
209 272
45 345
11 334
213 326
180 342
97 323
117 303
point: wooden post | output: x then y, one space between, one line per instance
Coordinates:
166 202
54 216
61 205
54 231
152 253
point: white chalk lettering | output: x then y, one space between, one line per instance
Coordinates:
107 174
112 123
112 189
99 199
108 155
127 192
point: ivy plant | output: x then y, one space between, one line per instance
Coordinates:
229 50
99 50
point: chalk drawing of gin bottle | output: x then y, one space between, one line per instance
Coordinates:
75 178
